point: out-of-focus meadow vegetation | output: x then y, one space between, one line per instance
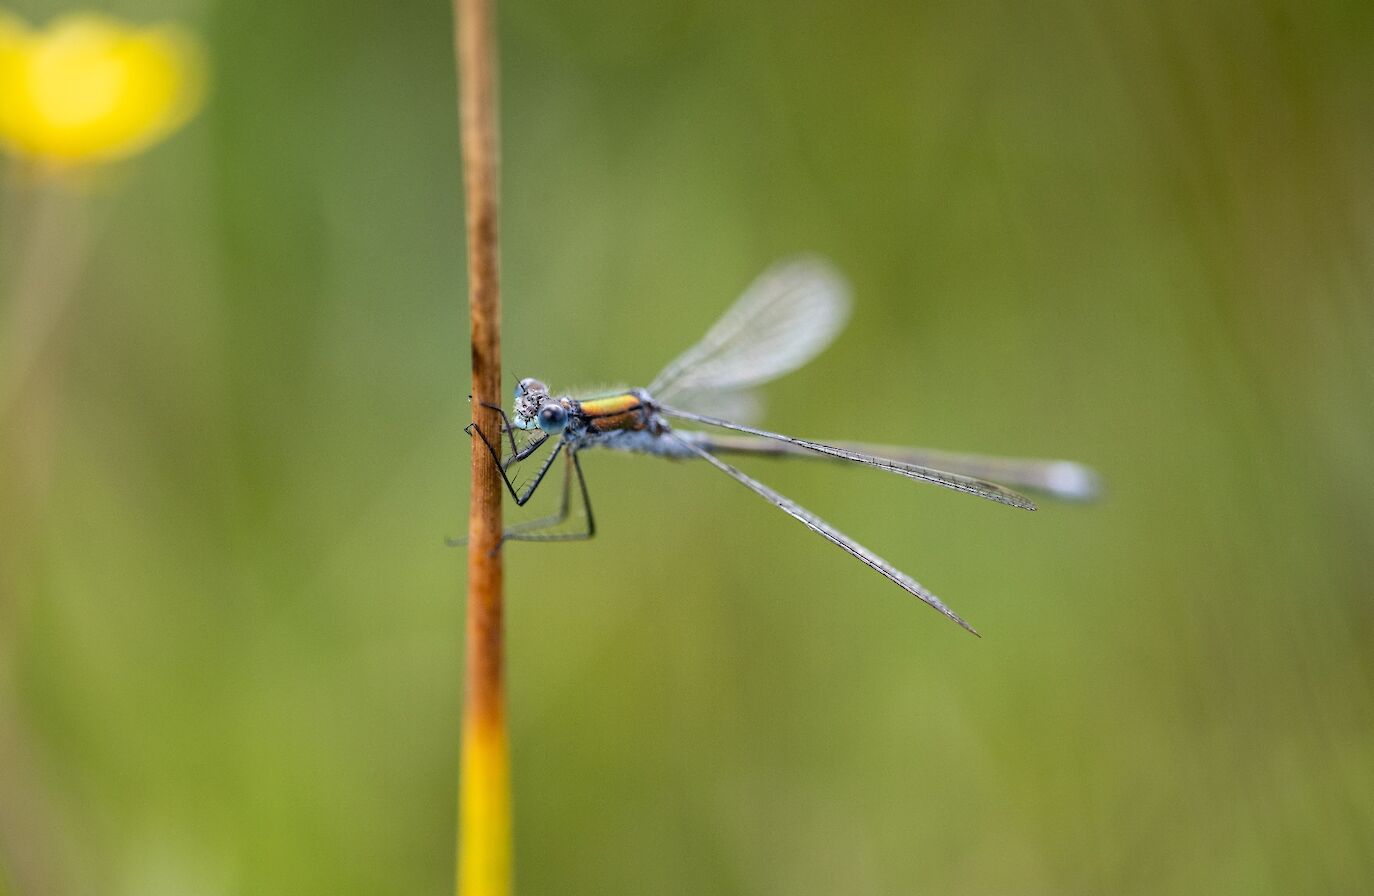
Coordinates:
1135 234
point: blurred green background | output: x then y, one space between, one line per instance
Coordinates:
1139 235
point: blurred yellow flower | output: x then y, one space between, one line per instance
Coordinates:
89 88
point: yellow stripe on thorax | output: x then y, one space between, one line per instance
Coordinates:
610 405
613 412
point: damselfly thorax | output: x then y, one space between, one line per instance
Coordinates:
783 320
631 411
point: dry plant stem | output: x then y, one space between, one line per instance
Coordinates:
484 818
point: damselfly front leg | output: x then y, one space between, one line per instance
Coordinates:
517 453
520 500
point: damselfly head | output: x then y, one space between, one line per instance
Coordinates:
530 396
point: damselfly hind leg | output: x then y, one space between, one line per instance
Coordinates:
538 530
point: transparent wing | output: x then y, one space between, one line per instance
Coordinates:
1062 479
956 481
785 318
746 406
826 531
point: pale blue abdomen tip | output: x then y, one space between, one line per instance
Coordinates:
1072 481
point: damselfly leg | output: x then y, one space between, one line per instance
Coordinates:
535 530
553 519
520 500
539 529
517 453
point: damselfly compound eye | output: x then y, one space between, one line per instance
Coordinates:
553 417
529 384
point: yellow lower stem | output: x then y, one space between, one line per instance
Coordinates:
484 824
